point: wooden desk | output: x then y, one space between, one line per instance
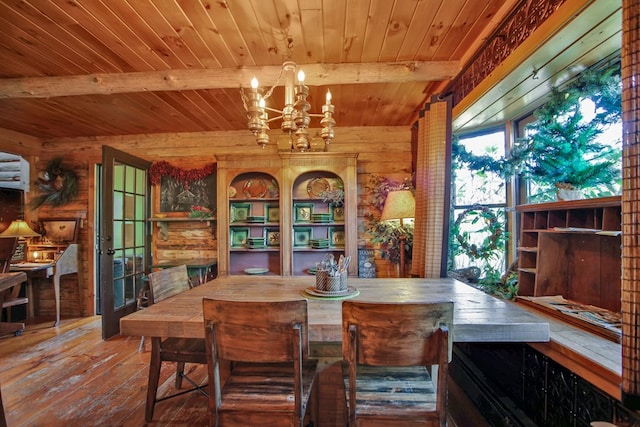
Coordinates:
67 263
33 271
8 281
478 317
202 267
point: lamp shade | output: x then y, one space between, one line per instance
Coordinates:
20 229
399 204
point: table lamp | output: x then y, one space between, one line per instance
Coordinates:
18 230
400 205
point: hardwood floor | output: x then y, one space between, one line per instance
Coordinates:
69 376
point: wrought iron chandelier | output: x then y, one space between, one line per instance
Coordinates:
295 115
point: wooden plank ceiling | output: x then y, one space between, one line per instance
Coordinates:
115 67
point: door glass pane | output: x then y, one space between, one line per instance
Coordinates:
140 203
118 278
140 181
117 234
140 234
129 206
118 177
130 179
129 234
118 205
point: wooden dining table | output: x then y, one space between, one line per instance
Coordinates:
478 317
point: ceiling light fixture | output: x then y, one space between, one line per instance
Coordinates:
295 115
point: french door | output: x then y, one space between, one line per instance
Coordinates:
124 242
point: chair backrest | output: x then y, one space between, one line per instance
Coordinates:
167 282
7 248
258 331
395 334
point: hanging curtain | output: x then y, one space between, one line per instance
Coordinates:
630 205
433 190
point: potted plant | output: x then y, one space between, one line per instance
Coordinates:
335 198
561 150
387 234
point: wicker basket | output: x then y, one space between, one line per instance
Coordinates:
321 278
326 283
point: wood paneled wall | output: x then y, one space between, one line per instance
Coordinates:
384 151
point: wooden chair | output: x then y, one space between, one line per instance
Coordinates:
11 296
259 370
164 284
3 419
387 348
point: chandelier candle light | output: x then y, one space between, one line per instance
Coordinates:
295 115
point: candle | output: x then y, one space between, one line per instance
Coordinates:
254 84
328 97
301 77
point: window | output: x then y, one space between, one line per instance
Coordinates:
479 197
573 141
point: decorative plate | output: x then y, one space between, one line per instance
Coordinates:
317 186
256 270
238 236
272 213
255 188
301 236
240 212
232 192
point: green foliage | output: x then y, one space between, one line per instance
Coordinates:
483 247
493 243
561 146
505 287
57 185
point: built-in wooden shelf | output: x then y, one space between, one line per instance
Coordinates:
572 249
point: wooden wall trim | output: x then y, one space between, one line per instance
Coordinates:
19 143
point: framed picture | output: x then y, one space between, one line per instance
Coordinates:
20 254
238 237
336 237
337 212
175 196
272 213
58 230
301 236
240 212
272 236
302 212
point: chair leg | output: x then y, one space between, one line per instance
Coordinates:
154 378
141 348
179 375
314 403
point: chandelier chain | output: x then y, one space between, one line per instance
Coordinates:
270 91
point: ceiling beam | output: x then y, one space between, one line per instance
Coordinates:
176 80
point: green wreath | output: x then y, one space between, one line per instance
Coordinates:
491 243
57 184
